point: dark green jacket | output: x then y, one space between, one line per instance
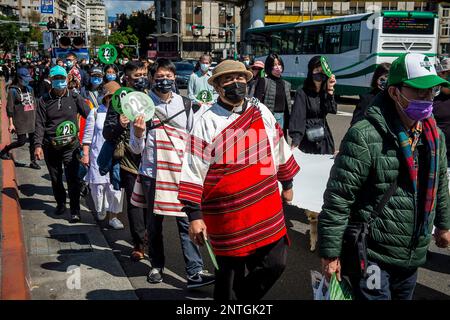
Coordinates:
369 161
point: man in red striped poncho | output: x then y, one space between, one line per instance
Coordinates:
229 186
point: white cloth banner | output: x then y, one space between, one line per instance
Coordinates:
310 183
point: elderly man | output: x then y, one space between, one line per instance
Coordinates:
56 137
229 186
388 187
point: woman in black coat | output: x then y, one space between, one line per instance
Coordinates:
308 125
378 84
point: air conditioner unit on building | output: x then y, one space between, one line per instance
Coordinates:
197 32
221 33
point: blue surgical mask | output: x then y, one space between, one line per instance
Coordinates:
96 81
59 84
204 67
111 76
69 64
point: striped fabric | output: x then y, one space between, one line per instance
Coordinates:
170 144
431 136
239 198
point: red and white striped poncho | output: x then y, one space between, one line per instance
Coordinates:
231 168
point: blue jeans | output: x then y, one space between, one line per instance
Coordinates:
395 284
279 116
191 252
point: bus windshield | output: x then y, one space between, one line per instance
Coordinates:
408 25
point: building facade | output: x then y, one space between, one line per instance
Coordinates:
199 26
96 17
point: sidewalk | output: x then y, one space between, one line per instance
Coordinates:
66 261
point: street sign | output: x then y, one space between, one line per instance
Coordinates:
24 29
47 6
107 54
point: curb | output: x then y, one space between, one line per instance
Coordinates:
15 278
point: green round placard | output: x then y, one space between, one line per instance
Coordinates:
138 103
326 66
118 96
107 54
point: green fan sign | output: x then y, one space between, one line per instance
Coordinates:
118 96
107 54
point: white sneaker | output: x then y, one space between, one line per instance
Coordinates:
116 224
101 215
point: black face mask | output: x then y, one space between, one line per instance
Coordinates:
164 85
235 92
319 77
141 83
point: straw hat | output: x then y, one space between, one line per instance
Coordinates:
227 67
109 89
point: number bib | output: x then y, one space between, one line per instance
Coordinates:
138 103
204 96
66 134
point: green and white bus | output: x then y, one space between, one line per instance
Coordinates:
354 44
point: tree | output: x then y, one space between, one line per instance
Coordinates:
141 24
125 37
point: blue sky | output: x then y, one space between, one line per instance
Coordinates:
119 6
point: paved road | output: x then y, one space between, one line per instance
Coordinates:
126 279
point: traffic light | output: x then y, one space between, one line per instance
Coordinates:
198 27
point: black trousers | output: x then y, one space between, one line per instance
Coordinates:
55 160
136 216
264 267
21 140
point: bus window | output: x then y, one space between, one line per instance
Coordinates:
260 44
332 38
276 43
350 36
288 41
313 40
298 41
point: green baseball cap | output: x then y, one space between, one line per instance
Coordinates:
415 70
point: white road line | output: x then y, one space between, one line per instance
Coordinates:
345 114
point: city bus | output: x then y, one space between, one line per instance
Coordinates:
353 44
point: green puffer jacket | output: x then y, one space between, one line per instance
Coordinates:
369 161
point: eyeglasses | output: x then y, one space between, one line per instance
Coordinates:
423 92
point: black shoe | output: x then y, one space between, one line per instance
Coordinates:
5 156
35 165
60 209
155 276
75 217
200 279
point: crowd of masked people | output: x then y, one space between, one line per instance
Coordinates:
386 198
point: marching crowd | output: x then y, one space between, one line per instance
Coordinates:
215 161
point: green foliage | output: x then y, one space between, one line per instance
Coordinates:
127 38
141 25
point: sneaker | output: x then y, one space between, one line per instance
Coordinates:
75 217
60 209
200 279
116 224
35 165
155 276
5 156
101 215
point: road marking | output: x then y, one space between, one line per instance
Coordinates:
299 226
344 114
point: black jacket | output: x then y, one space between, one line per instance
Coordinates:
310 109
441 111
365 101
53 111
114 132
